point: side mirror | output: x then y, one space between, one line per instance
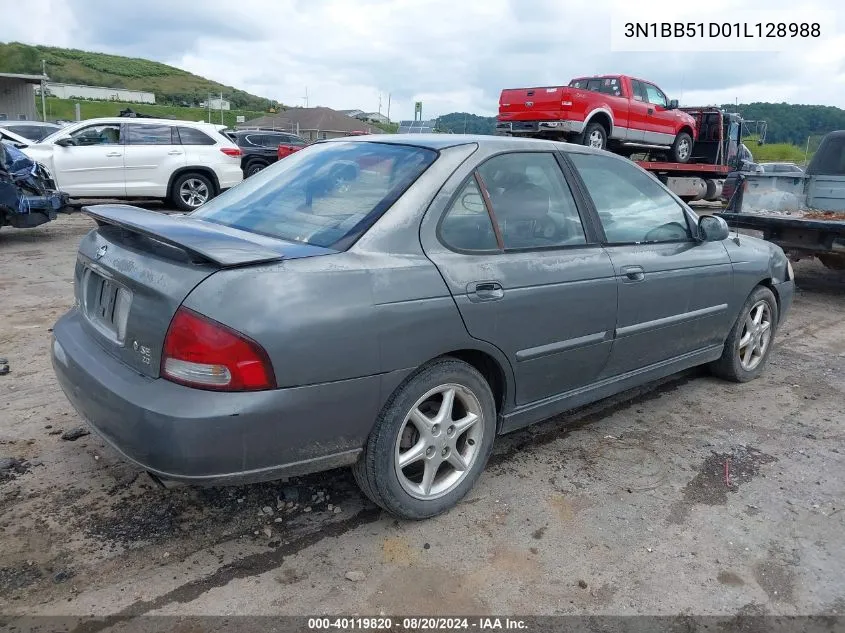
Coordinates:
712 229
673 104
65 142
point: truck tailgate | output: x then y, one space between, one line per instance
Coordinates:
531 104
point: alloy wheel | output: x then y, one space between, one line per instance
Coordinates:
756 336
683 149
439 441
194 192
596 139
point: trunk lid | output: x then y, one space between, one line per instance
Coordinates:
137 267
531 104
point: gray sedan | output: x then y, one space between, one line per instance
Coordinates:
395 302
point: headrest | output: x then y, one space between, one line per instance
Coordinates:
525 201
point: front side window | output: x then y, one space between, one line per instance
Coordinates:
654 95
108 134
531 201
326 195
632 206
149 134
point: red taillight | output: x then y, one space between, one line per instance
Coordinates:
234 152
200 352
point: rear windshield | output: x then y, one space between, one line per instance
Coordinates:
327 194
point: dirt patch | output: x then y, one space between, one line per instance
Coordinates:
11 467
19 577
720 473
776 575
730 579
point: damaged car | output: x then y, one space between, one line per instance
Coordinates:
28 193
393 303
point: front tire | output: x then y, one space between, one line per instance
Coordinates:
191 190
681 150
749 343
430 442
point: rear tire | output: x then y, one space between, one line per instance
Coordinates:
682 148
594 135
421 458
253 167
191 190
749 343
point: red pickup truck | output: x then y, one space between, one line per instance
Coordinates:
616 110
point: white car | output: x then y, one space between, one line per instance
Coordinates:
185 162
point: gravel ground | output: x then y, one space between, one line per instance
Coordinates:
691 496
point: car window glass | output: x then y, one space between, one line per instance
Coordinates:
466 225
639 90
325 196
193 136
632 206
273 140
149 134
610 86
654 95
532 203
108 134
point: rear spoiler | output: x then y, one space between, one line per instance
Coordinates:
214 243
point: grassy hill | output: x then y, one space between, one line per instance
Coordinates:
64 109
172 86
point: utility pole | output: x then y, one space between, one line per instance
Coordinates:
379 103
208 103
388 107
465 131
221 112
43 89
305 98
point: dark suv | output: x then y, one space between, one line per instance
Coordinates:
261 148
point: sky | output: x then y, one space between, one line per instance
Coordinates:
453 55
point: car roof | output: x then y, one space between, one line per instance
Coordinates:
126 119
443 141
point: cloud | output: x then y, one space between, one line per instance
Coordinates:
453 55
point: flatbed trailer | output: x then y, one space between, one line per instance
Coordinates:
803 215
690 181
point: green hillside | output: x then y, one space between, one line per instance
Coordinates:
172 86
63 109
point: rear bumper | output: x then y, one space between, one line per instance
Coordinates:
207 437
533 127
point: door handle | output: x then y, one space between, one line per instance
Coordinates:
485 291
174 152
651 110
114 154
632 273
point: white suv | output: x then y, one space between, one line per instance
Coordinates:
187 163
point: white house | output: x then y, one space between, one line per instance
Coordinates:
216 103
98 93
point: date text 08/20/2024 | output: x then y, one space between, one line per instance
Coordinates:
756 30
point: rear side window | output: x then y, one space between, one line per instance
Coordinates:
149 134
467 225
326 195
193 136
632 206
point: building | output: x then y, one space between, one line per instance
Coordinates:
98 93
216 103
16 99
373 117
312 124
353 113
